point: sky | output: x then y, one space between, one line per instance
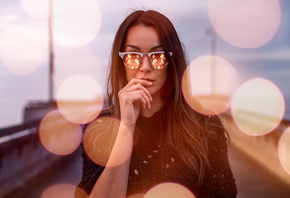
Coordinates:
24 66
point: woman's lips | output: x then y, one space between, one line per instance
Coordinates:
148 79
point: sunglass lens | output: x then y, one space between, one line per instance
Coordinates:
132 61
158 60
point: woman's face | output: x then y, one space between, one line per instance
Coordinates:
145 40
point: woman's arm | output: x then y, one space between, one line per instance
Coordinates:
114 179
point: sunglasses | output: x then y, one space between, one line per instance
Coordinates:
133 60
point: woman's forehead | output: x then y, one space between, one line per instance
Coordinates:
142 38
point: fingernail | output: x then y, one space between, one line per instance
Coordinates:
150 83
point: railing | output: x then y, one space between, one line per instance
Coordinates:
22 156
10 133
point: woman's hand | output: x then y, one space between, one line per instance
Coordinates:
132 97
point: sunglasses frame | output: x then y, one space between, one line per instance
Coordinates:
122 54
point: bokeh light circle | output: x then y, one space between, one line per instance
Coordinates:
258 107
23 48
80 99
209 83
76 22
169 190
36 8
73 61
284 150
245 23
58 135
62 191
98 141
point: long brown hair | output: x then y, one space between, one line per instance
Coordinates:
186 133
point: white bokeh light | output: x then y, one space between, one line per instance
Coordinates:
76 22
258 107
23 48
245 23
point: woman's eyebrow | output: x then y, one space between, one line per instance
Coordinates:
156 47
133 46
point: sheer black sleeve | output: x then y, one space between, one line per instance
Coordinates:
218 181
90 170
90 174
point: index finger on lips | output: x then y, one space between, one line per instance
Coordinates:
138 84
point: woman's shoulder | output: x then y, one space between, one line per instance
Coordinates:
107 112
213 125
216 133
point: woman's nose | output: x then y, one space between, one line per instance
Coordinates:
145 65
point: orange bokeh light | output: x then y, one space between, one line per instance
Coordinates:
76 22
80 99
62 191
169 190
245 23
258 107
73 61
209 83
98 141
23 48
284 150
58 135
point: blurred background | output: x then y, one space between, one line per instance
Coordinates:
52 51
24 49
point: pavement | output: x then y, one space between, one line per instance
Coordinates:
253 180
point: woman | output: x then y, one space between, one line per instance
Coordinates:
163 138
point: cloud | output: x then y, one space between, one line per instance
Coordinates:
11 13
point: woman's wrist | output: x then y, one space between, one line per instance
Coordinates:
126 129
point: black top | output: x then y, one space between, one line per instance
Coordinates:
154 161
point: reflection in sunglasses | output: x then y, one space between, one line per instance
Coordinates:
133 60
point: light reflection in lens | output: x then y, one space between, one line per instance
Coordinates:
212 82
258 107
245 23
169 190
80 99
23 48
58 135
76 22
284 150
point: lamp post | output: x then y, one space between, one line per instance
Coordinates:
212 34
51 55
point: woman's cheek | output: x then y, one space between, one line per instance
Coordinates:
130 74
